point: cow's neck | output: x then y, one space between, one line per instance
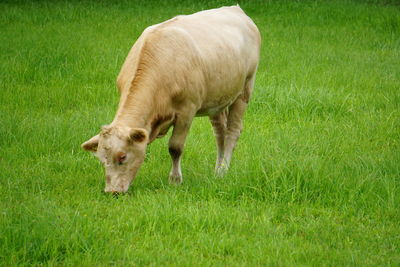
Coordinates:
135 110
139 110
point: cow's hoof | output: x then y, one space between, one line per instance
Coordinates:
221 171
175 179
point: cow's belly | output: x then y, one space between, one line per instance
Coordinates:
218 99
209 111
223 86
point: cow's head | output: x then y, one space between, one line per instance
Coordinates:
122 151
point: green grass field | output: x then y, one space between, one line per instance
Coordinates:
315 178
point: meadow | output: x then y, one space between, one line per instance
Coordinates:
315 178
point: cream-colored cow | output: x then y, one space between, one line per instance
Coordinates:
202 64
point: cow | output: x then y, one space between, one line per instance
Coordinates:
203 64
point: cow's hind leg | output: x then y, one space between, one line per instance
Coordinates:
218 122
234 122
175 147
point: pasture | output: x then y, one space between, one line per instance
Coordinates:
314 180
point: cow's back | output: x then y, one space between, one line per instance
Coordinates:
228 43
202 58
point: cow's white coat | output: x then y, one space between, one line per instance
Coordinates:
202 64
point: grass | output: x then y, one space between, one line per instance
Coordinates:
315 179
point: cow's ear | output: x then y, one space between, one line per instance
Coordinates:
137 135
91 144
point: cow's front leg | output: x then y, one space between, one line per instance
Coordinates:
175 147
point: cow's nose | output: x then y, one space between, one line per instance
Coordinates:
115 193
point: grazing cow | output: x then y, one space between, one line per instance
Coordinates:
202 64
